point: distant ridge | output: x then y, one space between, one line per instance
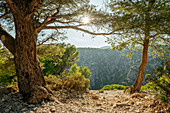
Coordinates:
110 67
106 47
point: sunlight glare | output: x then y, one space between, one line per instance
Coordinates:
85 20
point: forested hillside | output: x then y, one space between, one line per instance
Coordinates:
110 67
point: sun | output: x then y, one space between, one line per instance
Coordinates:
86 20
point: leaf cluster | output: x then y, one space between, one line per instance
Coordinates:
132 19
56 59
7 68
114 86
160 81
75 81
83 70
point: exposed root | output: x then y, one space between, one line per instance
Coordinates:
130 90
38 94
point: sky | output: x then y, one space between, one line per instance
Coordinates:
81 39
76 37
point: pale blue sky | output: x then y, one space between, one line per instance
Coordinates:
76 38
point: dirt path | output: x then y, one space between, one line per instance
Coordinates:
92 102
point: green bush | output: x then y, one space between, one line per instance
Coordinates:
114 86
76 82
85 71
7 69
101 91
56 59
51 81
57 69
160 81
150 86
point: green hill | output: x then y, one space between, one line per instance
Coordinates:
110 67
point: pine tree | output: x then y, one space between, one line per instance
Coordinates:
29 18
140 23
57 58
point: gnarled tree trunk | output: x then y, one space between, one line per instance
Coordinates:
31 82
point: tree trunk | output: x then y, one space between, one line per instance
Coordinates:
138 83
31 82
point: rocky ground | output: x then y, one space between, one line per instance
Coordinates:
90 102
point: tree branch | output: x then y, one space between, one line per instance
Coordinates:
68 22
76 28
164 39
3 15
6 11
153 36
33 4
7 40
58 10
12 6
45 40
139 43
134 4
45 21
52 19
49 19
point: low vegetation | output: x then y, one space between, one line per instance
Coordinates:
159 82
59 68
113 86
7 69
76 79
62 73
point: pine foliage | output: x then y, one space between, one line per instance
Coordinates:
160 81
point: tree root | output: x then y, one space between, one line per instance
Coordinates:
130 90
41 93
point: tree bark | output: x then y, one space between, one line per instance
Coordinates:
31 82
138 83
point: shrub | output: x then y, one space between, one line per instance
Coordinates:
160 81
101 91
57 69
7 69
114 86
51 81
55 59
82 69
126 87
76 82
150 86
